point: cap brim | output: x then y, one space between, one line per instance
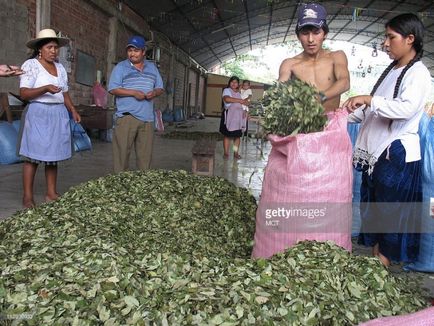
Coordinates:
134 46
61 40
311 22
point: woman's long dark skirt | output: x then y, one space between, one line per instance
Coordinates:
390 205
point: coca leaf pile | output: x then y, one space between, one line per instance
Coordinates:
171 248
292 107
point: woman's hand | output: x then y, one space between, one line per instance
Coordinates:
53 89
354 102
76 116
9 71
245 102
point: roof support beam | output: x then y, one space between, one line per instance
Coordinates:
223 25
337 12
270 21
294 13
236 19
248 24
349 22
194 28
376 21
422 9
108 8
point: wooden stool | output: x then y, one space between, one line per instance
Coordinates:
203 157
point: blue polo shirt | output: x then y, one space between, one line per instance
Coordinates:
125 75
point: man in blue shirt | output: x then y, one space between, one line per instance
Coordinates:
135 82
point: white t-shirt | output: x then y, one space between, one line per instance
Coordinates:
405 111
245 93
36 76
228 92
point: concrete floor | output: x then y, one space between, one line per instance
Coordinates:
168 154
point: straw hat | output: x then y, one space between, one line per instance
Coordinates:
45 34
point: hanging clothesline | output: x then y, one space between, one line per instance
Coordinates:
357 12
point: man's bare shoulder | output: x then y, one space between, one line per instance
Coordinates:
285 70
288 62
338 55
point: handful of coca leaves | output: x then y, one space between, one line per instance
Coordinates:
292 107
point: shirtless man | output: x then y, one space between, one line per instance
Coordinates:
324 69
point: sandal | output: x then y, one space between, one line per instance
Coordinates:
237 156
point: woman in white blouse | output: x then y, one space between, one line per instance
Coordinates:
46 132
387 149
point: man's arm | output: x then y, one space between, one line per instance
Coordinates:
154 93
342 76
123 92
158 86
116 85
285 70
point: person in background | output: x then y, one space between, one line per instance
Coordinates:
46 132
387 149
324 69
10 71
135 82
232 121
246 94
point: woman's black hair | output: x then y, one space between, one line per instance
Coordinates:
232 79
40 44
404 24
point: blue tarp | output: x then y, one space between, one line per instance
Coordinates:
8 143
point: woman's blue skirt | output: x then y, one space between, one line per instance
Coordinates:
390 205
46 133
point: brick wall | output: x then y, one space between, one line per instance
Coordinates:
162 101
192 79
179 83
88 28
14 21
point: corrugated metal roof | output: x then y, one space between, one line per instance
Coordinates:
212 31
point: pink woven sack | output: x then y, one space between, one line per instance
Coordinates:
307 190
424 317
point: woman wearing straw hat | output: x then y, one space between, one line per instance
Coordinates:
46 133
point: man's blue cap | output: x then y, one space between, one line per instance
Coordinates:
136 41
311 14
